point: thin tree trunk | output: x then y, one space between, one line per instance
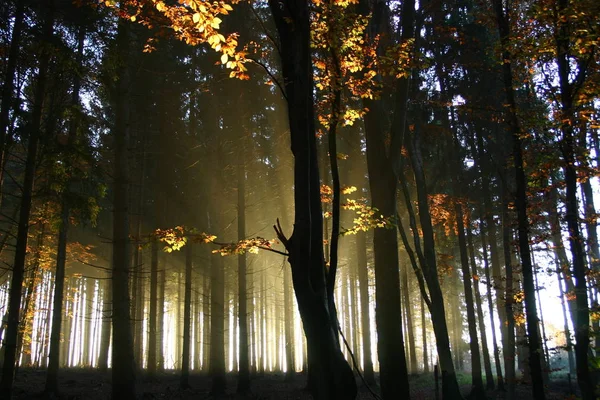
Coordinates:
244 363
331 374
106 325
424 336
509 344
123 363
8 87
160 321
187 319
521 205
217 328
153 312
489 377
363 278
16 287
409 322
477 389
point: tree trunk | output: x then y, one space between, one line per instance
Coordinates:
187 319
509 343
123 364
8 87
106 325
153 312
535 348
489 236
489 377
217 328
330 373
477 392
244 365
409 322
16 286
160 321
568 96
363 278
424 335
450 387
289 326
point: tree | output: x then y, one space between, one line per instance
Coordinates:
10 341
123 364
331 375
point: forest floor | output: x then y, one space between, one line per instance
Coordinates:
88 384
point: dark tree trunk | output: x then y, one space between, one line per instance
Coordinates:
123 364
244 359
8 87
217 328
509 343
534 340
187 319
288 326
489 377
330 373
489 235
568 96
424 336
153 312
477 392
450 387
363 278
160 320
409 322
18 271
106 325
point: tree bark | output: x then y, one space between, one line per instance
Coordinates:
331 374
123 364
489 377
153 312
8 87
477 392
244 363
187 319
535 348
16 286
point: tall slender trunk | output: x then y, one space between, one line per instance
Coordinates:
424 337
363 279
569 88
123 364
8 87
160 320
331 374
106 325
288 326
477 389
187 318
244 366
217 328
450 387
153 312
489 377
16 287
409 322
509 343
494 280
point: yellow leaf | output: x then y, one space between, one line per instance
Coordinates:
160 6
132 18
224 59
196 18
228 7
215 22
